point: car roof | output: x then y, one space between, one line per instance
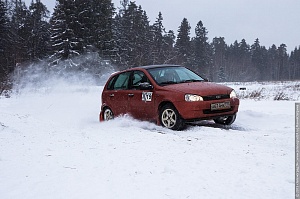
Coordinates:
156 66
146 67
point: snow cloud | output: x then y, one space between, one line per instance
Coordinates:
86 70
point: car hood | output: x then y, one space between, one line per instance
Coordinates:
200 88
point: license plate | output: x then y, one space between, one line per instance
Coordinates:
220 106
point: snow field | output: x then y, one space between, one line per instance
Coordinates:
52 146
289 90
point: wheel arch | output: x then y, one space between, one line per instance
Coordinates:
163 103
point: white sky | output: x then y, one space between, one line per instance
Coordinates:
271 21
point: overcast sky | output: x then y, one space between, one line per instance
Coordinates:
271 21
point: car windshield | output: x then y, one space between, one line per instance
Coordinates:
173 75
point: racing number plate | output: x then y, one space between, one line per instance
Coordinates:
147 96
220 106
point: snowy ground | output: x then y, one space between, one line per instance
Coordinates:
52 146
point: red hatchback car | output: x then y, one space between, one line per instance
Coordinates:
169 95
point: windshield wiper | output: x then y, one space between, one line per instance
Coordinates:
169 82
191 80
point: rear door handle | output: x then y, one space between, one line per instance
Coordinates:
131 95
111 95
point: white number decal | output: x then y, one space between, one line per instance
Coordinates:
147 96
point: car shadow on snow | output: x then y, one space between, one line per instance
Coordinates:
210 123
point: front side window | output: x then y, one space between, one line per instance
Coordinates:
138 78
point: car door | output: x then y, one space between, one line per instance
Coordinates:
141 102
117 93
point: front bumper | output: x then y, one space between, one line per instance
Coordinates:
202 110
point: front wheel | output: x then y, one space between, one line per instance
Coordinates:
170 118
225 120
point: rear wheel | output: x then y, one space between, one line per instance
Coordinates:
108 114
225 120
170 118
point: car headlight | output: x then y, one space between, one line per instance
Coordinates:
233 94
192 98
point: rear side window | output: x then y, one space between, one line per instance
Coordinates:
119 82
111 83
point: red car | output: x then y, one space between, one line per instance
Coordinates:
169 95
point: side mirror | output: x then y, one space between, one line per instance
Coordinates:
145 86
206 80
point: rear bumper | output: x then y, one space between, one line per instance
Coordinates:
202 110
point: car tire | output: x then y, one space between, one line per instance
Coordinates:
170 118
225 120
108 114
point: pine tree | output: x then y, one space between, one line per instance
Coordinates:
243 63
230 56
294 63
38 43
168 47
119 37
244 52
297 66
265 68
4 30
143 40
219 48
221 74
282 62
64 42
132 36
238 66
257 59
82 24
183 45
5 45
201 52
272 62
158 30
21 30
101 19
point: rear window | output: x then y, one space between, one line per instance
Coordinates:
119 82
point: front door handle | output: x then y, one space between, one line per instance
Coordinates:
111 95
131 95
